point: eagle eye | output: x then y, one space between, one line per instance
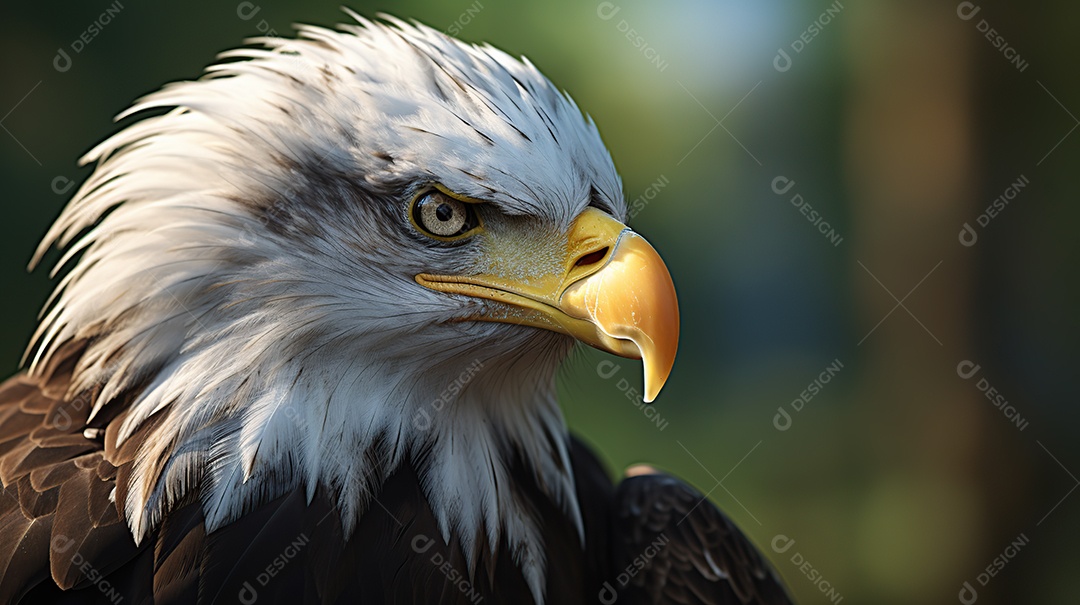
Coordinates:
440 216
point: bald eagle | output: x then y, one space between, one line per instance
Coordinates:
306 342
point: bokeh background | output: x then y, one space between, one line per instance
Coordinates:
806 169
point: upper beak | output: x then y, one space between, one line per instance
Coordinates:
613 292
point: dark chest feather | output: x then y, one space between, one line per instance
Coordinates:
63 540
56 521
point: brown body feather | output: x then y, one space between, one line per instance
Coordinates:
63 538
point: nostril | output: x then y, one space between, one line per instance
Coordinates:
592 257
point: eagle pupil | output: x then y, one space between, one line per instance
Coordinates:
444 212
442 216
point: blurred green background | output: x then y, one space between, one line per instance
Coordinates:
739 126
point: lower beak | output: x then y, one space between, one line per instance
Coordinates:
614 293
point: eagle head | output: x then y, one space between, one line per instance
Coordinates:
341 253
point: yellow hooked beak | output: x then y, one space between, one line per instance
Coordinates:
612 292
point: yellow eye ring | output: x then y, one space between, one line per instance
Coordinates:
439 215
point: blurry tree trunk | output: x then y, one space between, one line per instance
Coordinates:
913 163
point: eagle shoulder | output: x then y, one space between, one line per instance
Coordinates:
59 527
674 546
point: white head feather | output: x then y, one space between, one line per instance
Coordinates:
248 273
